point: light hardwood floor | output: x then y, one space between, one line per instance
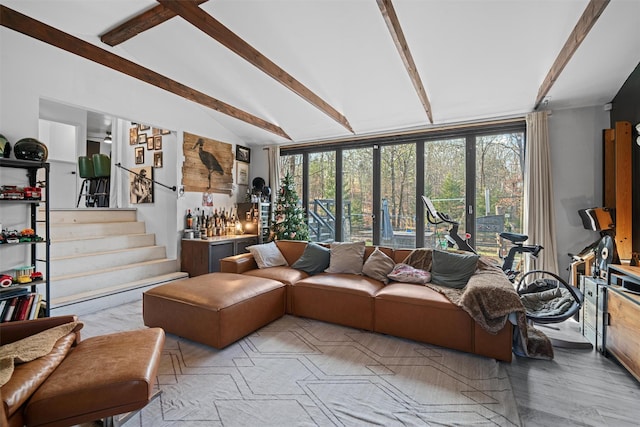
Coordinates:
576 388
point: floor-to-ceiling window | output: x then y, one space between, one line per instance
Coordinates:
357 195
397 191
371 189
445 184
499 181
321 205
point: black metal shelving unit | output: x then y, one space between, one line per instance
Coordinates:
32 168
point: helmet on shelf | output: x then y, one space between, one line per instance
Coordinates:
30 149
5 147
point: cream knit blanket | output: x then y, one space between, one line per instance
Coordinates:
31 348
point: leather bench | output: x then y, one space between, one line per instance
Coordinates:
101 376
215 309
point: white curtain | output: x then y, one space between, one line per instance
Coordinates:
274 171
539 213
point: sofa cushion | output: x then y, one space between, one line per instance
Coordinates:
292 249
314 259
267 255
407 274
346 257
409 293
453 269
282 274
344 283
378 265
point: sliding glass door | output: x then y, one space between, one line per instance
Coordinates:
398 200
499 184
370 190
321 209
445 184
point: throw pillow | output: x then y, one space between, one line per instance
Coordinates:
407 274
378 265
267 255
346 257
314 259
453 269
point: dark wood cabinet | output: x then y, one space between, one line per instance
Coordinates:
200 256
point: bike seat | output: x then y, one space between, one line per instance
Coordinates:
514 237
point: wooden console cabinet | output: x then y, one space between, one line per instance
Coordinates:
622 334
199 256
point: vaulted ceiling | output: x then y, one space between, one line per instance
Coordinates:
276 71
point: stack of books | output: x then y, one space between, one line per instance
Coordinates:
20 304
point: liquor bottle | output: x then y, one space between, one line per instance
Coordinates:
223 222
189 219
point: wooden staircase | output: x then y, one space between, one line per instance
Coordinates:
102 258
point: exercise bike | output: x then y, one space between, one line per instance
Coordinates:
455 240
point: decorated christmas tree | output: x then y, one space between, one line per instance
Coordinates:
289 219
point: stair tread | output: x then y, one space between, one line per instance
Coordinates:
110 269
73 239
105 291
114 251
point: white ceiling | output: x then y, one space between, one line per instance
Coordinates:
477 59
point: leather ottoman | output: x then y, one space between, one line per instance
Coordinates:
215 309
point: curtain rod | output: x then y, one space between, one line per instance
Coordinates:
453 126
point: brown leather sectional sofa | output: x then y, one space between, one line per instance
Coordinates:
400 309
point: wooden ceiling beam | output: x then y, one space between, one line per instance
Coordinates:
589 17
139 23
197 17
16 21
391 19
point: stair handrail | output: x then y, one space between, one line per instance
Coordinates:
321 222
174 188
318 202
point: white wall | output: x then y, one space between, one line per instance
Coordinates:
32 70
576 149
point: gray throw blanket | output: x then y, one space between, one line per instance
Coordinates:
489 298
552 302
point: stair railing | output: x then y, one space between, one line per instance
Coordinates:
173 188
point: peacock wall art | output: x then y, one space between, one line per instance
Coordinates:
207 165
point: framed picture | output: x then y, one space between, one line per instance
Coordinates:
142 138
141 185
150 143
157 142
242 171
165 132
243 154
155 131
144 127
139 151
157 159
133 135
